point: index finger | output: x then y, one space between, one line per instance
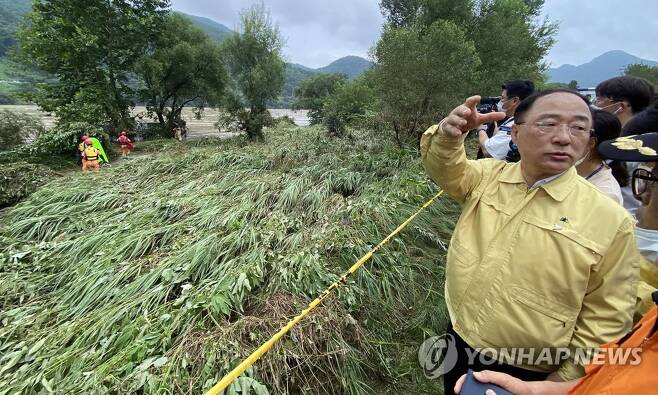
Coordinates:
472 101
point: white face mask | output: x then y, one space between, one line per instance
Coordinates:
647 244
595 107
499 106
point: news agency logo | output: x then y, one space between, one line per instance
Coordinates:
438 355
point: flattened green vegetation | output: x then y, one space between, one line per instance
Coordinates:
160 275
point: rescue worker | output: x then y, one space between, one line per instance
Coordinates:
125 143
81 146
90 157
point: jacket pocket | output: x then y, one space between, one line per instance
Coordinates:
527 319
551 309
557 263
572 235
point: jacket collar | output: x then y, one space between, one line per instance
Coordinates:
557 188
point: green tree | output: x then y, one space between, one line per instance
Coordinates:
649 73
91 48
422 73
185 68
508 35
256 67
510 42
349 102
402 12
12 13
312 93
552 85
15 128
573 84
399 13
461 12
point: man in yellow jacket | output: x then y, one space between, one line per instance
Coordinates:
539 258
610 374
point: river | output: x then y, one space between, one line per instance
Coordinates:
205 126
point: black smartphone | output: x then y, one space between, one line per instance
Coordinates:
473 387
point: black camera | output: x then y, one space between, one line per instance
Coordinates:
488 104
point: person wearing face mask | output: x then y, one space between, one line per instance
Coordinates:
499 145
607 375
625 97
591 166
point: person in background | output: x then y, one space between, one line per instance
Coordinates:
125 143
591 166
500 144
539 257
81 146
642 122
90 157
611 377
642 149
589 98
178 133
625 97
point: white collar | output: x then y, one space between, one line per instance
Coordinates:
545 181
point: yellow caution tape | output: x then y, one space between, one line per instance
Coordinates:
265 347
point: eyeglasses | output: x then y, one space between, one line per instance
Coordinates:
641 181
548 127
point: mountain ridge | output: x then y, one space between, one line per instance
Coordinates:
607 65
351 66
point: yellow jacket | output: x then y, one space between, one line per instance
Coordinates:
551 266
647 285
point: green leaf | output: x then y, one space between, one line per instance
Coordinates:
46 385
260 389
160 362
168 275
146 364
13 358
219 304
245 384
36 347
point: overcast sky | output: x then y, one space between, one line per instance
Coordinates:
318 32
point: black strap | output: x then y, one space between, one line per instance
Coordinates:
598 169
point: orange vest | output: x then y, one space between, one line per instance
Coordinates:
627 379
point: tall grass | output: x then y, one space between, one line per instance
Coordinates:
160 275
